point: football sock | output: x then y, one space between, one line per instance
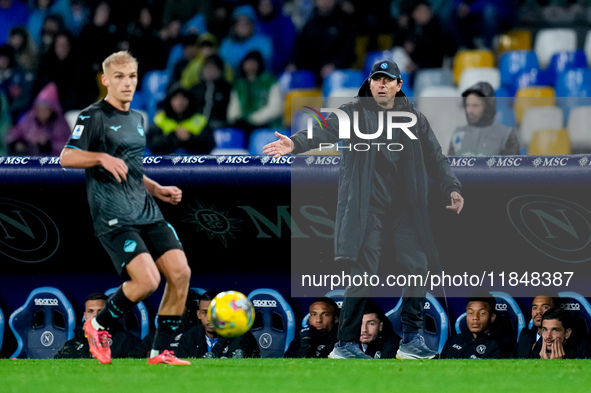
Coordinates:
167 325
117 305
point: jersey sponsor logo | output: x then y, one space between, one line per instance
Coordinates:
265 340
77 131
113 222
140 129
82 117
264 303
481 349
129 245
46 302
115 128
47 338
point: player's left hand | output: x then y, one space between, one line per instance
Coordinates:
457 202
170 194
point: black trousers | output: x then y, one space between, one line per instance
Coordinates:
408 253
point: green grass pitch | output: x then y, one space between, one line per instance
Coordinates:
296 375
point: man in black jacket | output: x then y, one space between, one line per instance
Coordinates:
524 349
560 340
77 348
201 340
382 198
480 341
378 339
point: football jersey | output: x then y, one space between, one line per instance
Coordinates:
103 128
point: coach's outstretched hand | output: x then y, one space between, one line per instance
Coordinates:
457 202
279 148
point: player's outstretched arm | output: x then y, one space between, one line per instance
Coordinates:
82 159
457 202
279 148
168 194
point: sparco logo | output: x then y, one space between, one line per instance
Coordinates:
46 302
571 306
264 303
27 234
559 228
501 307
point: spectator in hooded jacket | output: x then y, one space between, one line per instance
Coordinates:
43 130
178 128
279 27
213 92
482 136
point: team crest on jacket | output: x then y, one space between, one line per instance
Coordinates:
140 129
481 349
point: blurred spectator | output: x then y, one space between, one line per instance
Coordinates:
377 338
481 19
184 10
213 92
15 82
481 340
244 38
144 42
170 34
482 136
75 81
528 338
5 122
299 11
43 130
280 29
121 340
219 19
52 26
190 53
78 18
423 39
318 338
98 38
72 13
207 45
325 43
12 13
178 128
25 50
202 341
559 338
255 100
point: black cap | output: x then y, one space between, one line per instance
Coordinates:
386 67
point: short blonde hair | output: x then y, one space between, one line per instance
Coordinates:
121 57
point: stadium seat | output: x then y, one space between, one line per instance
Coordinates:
1 327
505 115
469 59
274 325
471 76
440 91
580 309
373 57
578 129
529 97
299 79
529 78
342 79
513 63
435 322
43 324
540 117
587 47
549 142
174 56
510 320
445 114
561 62
260 137
552 40
573 88
72 117
297 98
229 138
136 321
513 40
431 77
338 295
154 86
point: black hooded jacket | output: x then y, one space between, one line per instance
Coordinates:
421 158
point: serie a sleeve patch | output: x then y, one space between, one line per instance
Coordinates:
77 131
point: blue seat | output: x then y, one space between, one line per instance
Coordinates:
274 325
342 79
338 295
580 309
513 63
510 320
561 62
43 324
505 115
435 322
528 78
573 87
1 328
229 138
260 137
430 77
299 79
136 321
153 90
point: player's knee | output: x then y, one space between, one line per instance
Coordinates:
151 284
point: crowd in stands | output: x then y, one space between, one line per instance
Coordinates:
227 55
